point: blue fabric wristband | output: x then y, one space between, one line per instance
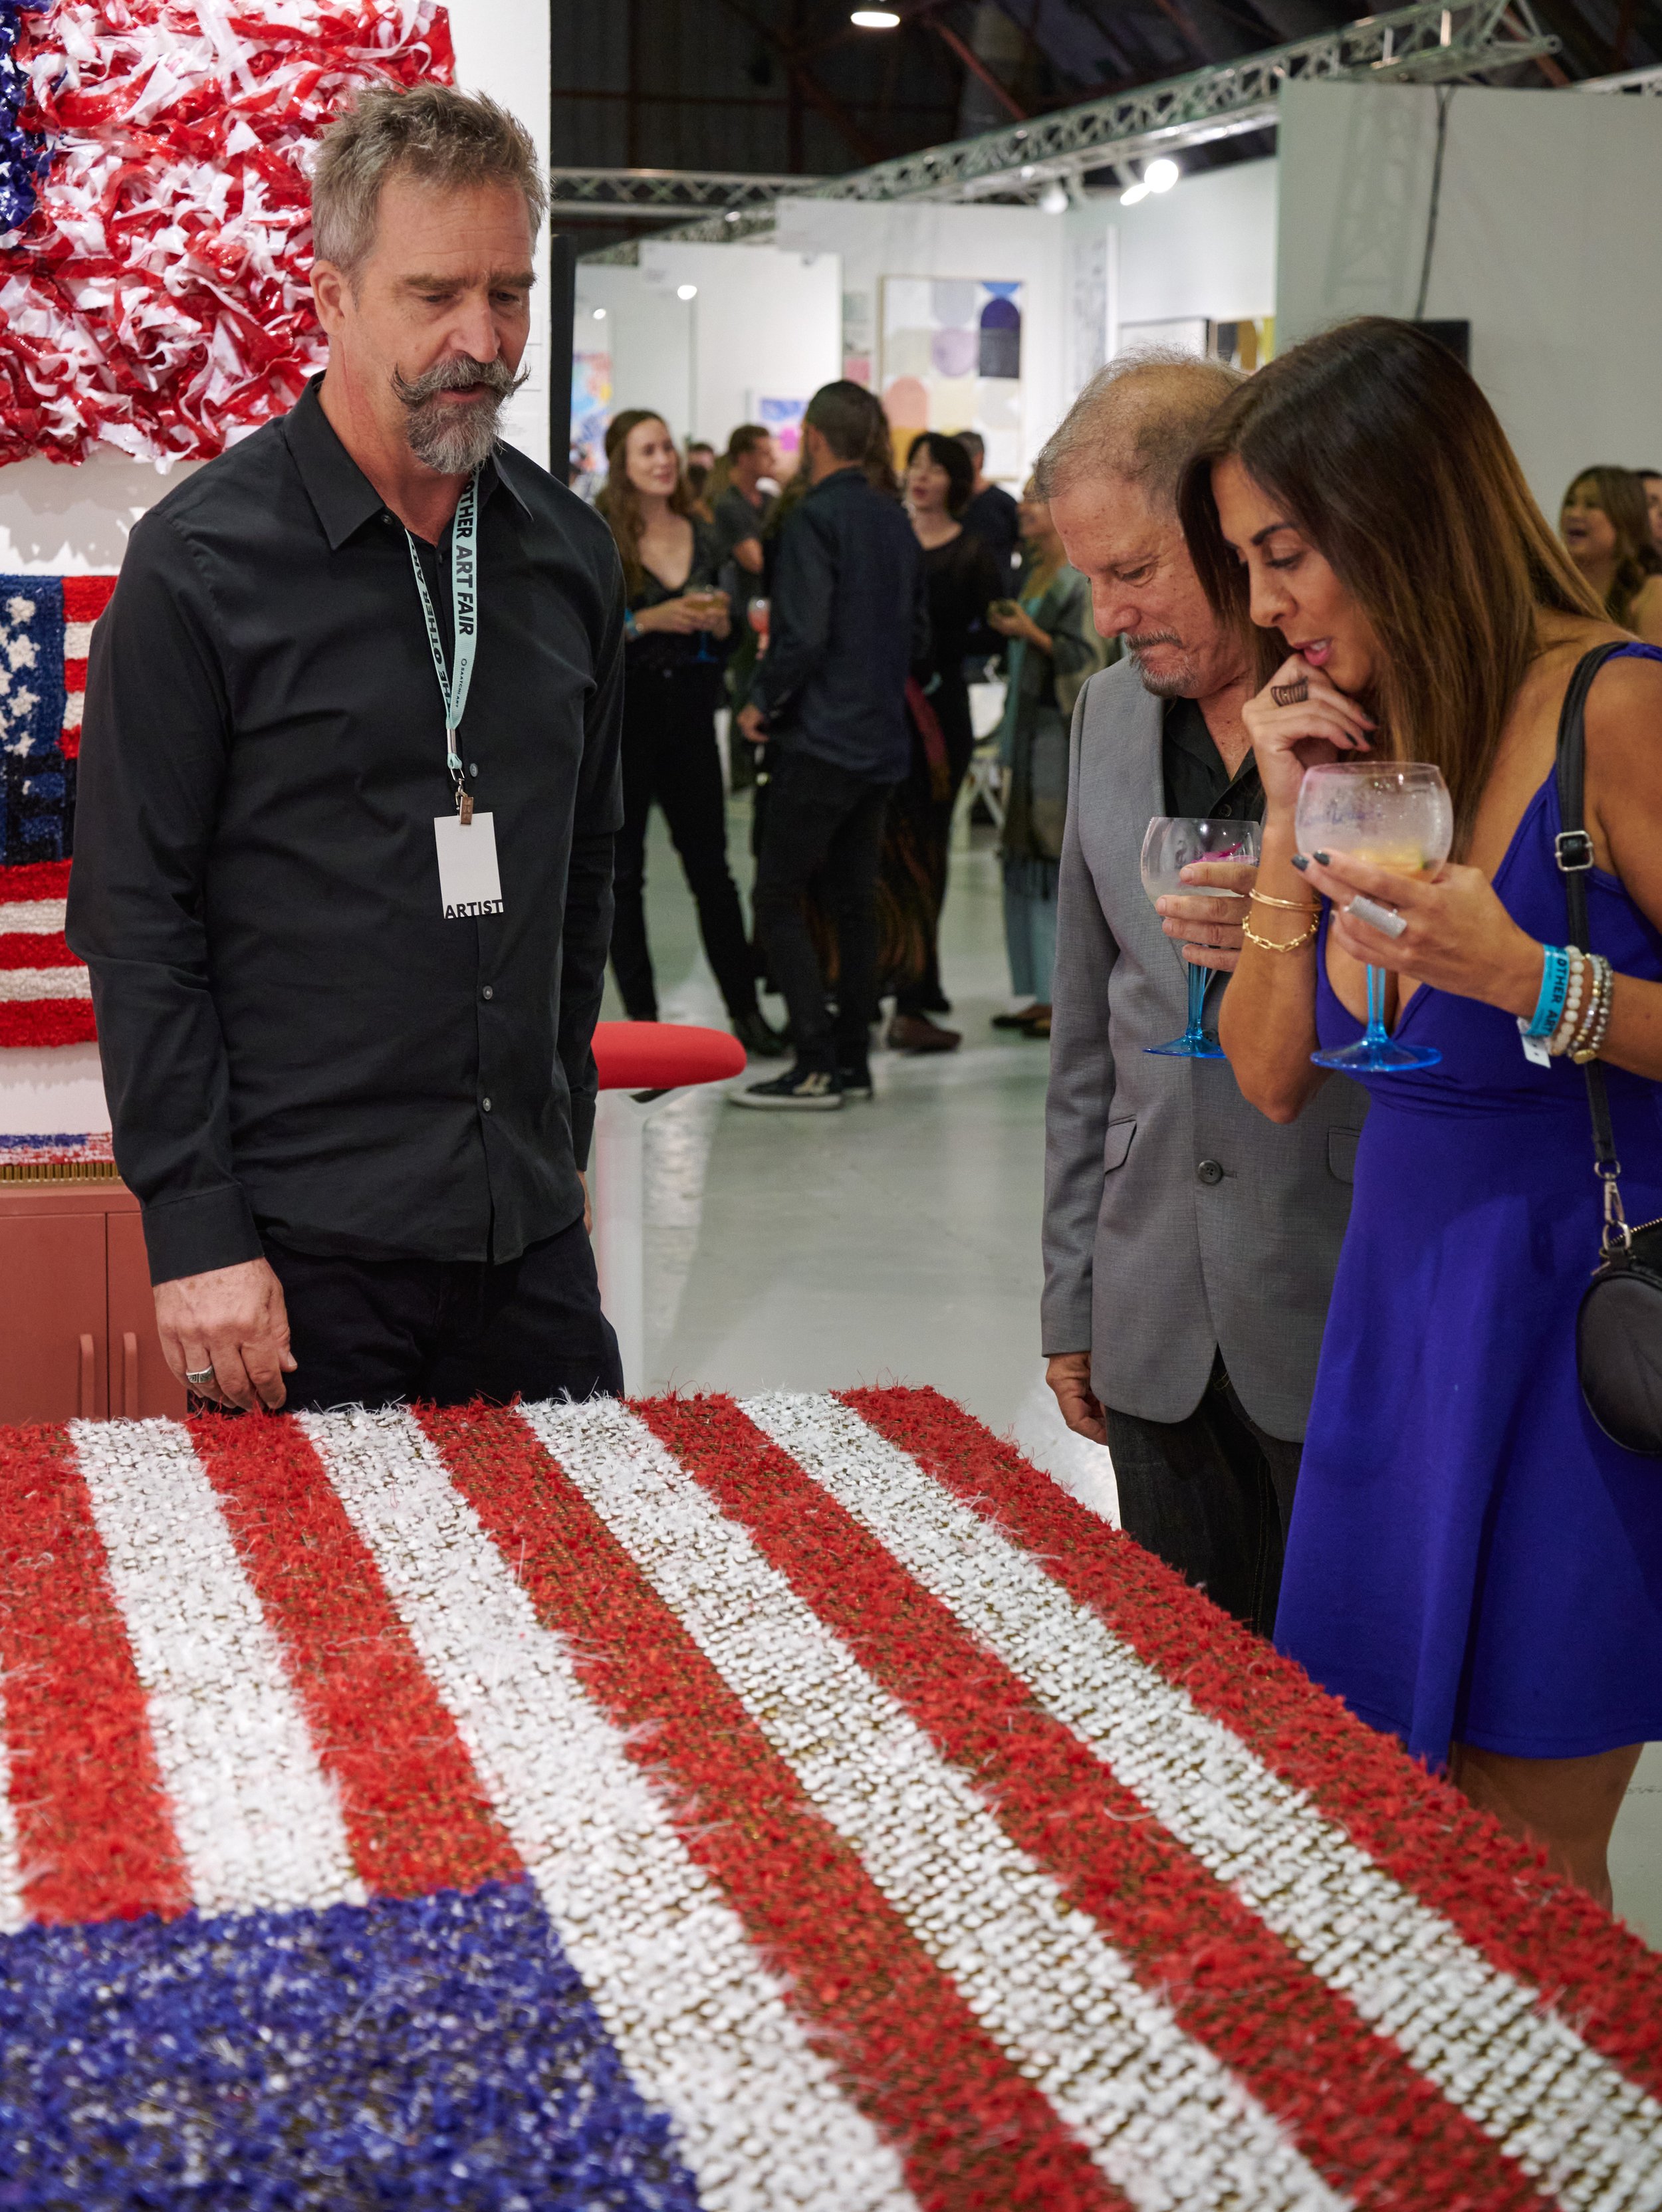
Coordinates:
1555 990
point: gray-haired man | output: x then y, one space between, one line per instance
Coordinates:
1190 1244
349 784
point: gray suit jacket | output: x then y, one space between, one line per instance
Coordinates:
1177 1218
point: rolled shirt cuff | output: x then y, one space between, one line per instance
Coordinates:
193 1235
582 1130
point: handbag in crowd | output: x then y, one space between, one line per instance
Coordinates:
1618 1329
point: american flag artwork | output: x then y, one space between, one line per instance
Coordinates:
155 214
797 1803
45 632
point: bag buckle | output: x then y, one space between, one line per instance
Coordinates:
1573 849
1618 1237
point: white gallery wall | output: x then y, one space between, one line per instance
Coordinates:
76 520
1540 245
1203 252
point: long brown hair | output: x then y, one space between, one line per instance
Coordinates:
1620 494
620 503
1388 458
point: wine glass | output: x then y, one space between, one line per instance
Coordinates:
1173 841
1397 815
708 601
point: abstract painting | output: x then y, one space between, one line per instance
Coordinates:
951 361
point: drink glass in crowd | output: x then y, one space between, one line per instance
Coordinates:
709 602
759 622
1397 814
1173 842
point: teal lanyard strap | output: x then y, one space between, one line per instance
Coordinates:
455 681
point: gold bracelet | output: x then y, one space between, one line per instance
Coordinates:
1271 944
1292 906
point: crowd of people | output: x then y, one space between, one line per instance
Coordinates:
1325 1317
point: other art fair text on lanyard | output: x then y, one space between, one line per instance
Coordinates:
468 881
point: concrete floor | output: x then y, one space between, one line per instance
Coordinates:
897 1240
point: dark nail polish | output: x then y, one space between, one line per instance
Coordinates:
1322 859
1300 862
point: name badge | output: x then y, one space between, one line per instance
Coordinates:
469 883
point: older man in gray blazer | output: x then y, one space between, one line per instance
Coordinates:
1190 1244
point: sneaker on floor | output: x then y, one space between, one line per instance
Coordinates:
916 1033
760 1037
800 1091
856 1078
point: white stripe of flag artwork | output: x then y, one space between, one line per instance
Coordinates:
45 635
794 1804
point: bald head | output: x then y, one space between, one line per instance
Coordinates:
1136 422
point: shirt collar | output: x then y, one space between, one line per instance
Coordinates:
338 490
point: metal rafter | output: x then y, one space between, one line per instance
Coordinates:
1426 44
597 193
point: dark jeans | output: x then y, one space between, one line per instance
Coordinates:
669 755
821 820
382 1332
1211 1496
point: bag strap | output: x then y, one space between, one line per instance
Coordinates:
1573 849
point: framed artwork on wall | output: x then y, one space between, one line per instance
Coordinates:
951 360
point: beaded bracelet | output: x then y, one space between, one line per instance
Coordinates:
1580 980
1590 1039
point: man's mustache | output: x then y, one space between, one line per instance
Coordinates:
1152 637
455 374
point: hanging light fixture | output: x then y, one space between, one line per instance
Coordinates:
1160 175
874 19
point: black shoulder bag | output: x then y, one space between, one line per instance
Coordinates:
1618 1330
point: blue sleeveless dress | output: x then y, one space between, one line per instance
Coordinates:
1471 1558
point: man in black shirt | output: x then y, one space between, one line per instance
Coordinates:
349 787
991 515
849 618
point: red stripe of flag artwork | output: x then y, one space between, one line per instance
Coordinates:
793 1804
46 634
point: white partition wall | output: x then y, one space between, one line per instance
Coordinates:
1542 244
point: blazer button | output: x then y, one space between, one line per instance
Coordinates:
485 1102
1209 1171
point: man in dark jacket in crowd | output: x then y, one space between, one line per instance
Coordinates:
847 621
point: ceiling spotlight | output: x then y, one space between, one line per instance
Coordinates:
1133 193
600 314
732 216
686 291
874 19
1054 197
1160 176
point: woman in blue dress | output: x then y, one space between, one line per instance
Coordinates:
1471 1562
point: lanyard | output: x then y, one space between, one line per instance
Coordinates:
464 598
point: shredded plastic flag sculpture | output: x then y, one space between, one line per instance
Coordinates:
157 231
799 1804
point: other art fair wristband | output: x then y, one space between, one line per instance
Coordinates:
1548 1008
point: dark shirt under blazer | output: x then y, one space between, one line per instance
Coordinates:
1178 1220
847 620
294 1039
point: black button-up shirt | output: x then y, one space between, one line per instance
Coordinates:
1198 786
294 1040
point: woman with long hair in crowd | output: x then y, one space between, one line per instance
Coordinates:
1472 1562
1606 524
1054 650
962 580
672 687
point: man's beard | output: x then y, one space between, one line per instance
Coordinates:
453 438
1182 681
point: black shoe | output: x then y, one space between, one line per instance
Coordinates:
1012 1021
802 1090
760 1037
856 1078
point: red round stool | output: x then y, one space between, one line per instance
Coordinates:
640 1065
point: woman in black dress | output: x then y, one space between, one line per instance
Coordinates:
962 580
677 631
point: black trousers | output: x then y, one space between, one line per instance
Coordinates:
822 821
385 1331
669 755
1211 1496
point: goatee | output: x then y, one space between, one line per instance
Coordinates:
1180 681
454 437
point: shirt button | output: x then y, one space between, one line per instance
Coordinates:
1208 1171
472 768
1224 809
487 993
485 1102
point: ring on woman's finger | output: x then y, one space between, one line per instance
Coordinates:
1291 695
1383 918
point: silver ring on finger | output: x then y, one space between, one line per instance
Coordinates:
200 1378
1385 919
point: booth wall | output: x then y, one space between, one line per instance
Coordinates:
55 519
921 238
1205 250
1539 245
